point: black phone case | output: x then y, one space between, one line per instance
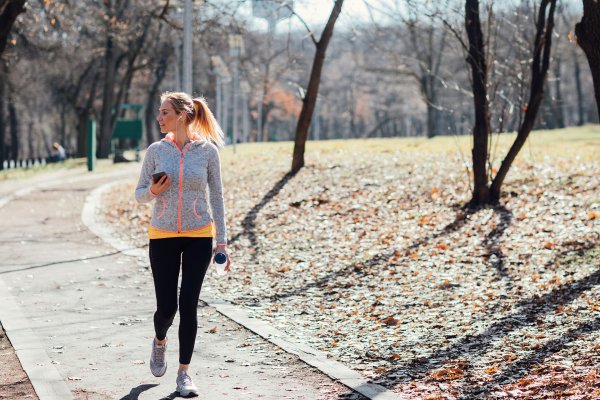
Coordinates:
156 177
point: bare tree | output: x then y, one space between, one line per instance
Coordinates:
2 123
427 42
9 11
417 50
588 38
479 74
160 71
112 53
539 73
482 193
310 98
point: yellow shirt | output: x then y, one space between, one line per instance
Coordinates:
205 231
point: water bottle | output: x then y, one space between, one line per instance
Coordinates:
219 263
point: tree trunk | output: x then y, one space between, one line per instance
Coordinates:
588 38
108 98
83 114
264 108
433 121
481 131
63 125
30 149
134 51
152 103
14 129
309 101
9 11
558 99
2 123
430 59
539 72
580 104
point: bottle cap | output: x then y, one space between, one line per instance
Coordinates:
220 258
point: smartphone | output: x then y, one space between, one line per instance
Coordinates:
156 177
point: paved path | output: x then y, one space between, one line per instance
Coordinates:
82 312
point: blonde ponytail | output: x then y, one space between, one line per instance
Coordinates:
205 123
200 121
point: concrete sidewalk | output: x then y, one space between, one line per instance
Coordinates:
81 311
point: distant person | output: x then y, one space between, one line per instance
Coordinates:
181 230
58 154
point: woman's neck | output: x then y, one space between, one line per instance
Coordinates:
181 137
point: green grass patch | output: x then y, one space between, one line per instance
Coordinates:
582 142
71 164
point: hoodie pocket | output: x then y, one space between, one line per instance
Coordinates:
162 210
195 207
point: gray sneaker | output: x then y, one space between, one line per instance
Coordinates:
158 361
185 386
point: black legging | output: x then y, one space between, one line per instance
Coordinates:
166 257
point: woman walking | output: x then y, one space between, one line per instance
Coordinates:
181 230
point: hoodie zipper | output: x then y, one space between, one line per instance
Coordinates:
180 198
180 202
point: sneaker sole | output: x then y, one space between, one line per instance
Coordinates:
161 373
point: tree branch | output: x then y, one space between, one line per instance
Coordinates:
310 33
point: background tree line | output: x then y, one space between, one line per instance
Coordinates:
65 62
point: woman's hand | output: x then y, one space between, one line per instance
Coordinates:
162 185
221 248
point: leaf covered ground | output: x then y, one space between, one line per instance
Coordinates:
368 254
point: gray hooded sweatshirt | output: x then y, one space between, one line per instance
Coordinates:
183 206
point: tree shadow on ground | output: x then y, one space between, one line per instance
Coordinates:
359 267
492 243
249 222
494 252
522 367
526 313
134 394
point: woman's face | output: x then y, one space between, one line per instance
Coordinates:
167 117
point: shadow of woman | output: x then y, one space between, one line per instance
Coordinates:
176 395
136 391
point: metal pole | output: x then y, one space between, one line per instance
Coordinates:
187 47
91 144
